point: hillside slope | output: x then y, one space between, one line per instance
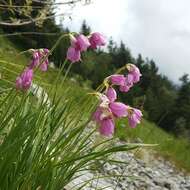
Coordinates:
174 149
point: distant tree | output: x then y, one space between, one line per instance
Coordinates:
139 61
178 120
26 12
183 100
85 29
121 55
112 46
184 79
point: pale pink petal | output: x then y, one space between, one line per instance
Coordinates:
96 115
124 88
135 117
82 42
117 79
129 79
73 55
43 67
111 94
132 121
118 109
96 39
107 127
134 70
24 81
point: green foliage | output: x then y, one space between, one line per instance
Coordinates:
181 110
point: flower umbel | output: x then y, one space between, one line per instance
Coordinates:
109 110
81 43
134 117
37 59
126 82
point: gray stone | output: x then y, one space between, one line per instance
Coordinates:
138 175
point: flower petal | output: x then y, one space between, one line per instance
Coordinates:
111 94
73 55
117 79
96 39
118 109
107 127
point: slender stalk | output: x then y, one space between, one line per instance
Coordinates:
66 73
55 84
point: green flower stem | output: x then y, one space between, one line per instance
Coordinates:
67 72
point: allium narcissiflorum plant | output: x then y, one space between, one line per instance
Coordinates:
45 144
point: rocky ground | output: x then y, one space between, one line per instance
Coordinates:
147 173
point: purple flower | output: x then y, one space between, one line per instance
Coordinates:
103 117
124 88
134 117
73 55
117 79
118 109
35 60
97 115
107 127
44 65
132 77
129 79
97 39
37 57
80 43
134 74
108 110
111 94
46 50
24 81
127 84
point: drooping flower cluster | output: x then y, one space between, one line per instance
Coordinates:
81 43
126 82
39 58
96 39
109 109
